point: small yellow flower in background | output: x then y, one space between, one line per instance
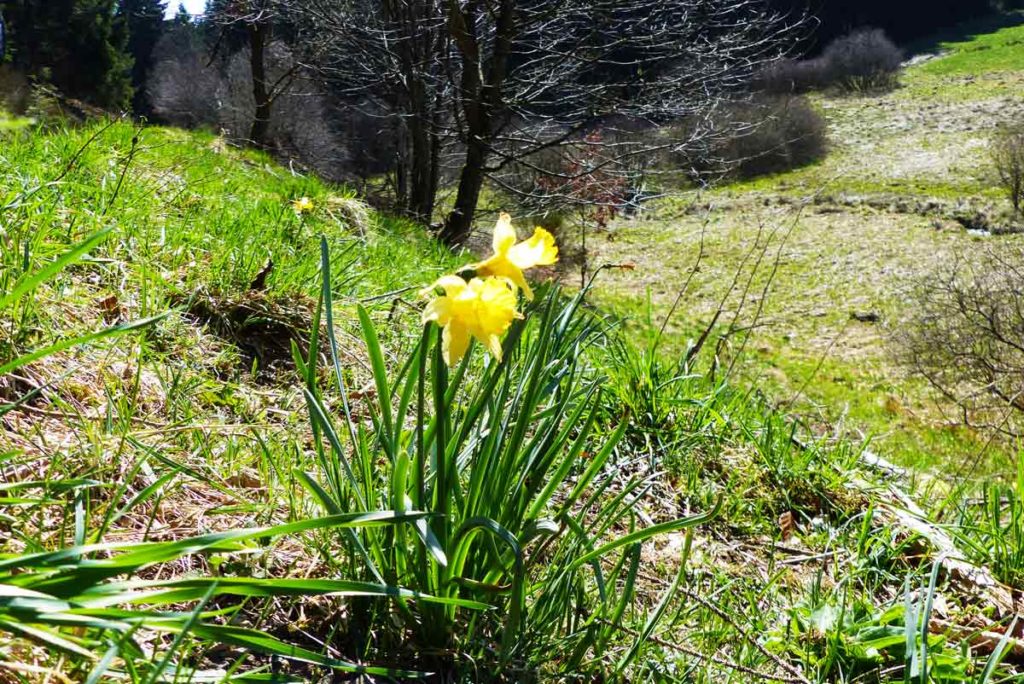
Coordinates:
511 258
302 205
483 308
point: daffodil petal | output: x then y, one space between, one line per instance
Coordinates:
485 267
494 346
451 284
454 343
539 250
439 310
504 234
520 281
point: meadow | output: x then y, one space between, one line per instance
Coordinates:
231 449
843 243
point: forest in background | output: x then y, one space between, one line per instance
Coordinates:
375 94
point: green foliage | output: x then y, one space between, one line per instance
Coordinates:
998 51
846 639
990 526
77 45
497 454
69 590
72 600
168 512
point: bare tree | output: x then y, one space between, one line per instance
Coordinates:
390 60
966 336
188 88
496 82
1008 157
183 89
255 20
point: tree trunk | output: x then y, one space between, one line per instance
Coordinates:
402 165
459 222
482 101
258 39
421 200
435 152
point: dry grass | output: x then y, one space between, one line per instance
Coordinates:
850 235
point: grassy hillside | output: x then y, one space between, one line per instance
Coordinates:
215 468
842 243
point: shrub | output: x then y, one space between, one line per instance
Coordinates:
766 135
864 60
964 332
1008 158
793 77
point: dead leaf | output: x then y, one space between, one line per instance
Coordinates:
111 308
245 480
787 525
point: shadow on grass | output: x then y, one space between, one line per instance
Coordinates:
965 32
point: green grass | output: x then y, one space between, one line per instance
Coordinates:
880 213
980 54
981 62
228 451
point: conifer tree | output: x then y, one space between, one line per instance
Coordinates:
79 46
182 17
145 22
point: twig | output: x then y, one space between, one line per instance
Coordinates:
718 660
74 158
388 295
124 172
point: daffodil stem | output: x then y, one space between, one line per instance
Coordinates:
441 477
421 423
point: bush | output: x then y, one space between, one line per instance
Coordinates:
1008 158
767 135
964 332
864 60
793 76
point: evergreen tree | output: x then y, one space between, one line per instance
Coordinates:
145 22
80 46
904 21
182 17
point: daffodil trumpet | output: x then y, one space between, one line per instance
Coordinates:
481 308
302 205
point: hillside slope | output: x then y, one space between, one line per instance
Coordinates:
818 565
907 176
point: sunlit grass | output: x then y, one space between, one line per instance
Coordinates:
238 410
981 54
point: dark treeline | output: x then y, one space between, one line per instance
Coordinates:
79 46
905 21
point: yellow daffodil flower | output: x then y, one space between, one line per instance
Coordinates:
481 308
511 258
302 205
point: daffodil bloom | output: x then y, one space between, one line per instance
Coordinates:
511 258
302 205
483 308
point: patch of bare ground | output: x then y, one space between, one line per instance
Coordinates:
900 136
